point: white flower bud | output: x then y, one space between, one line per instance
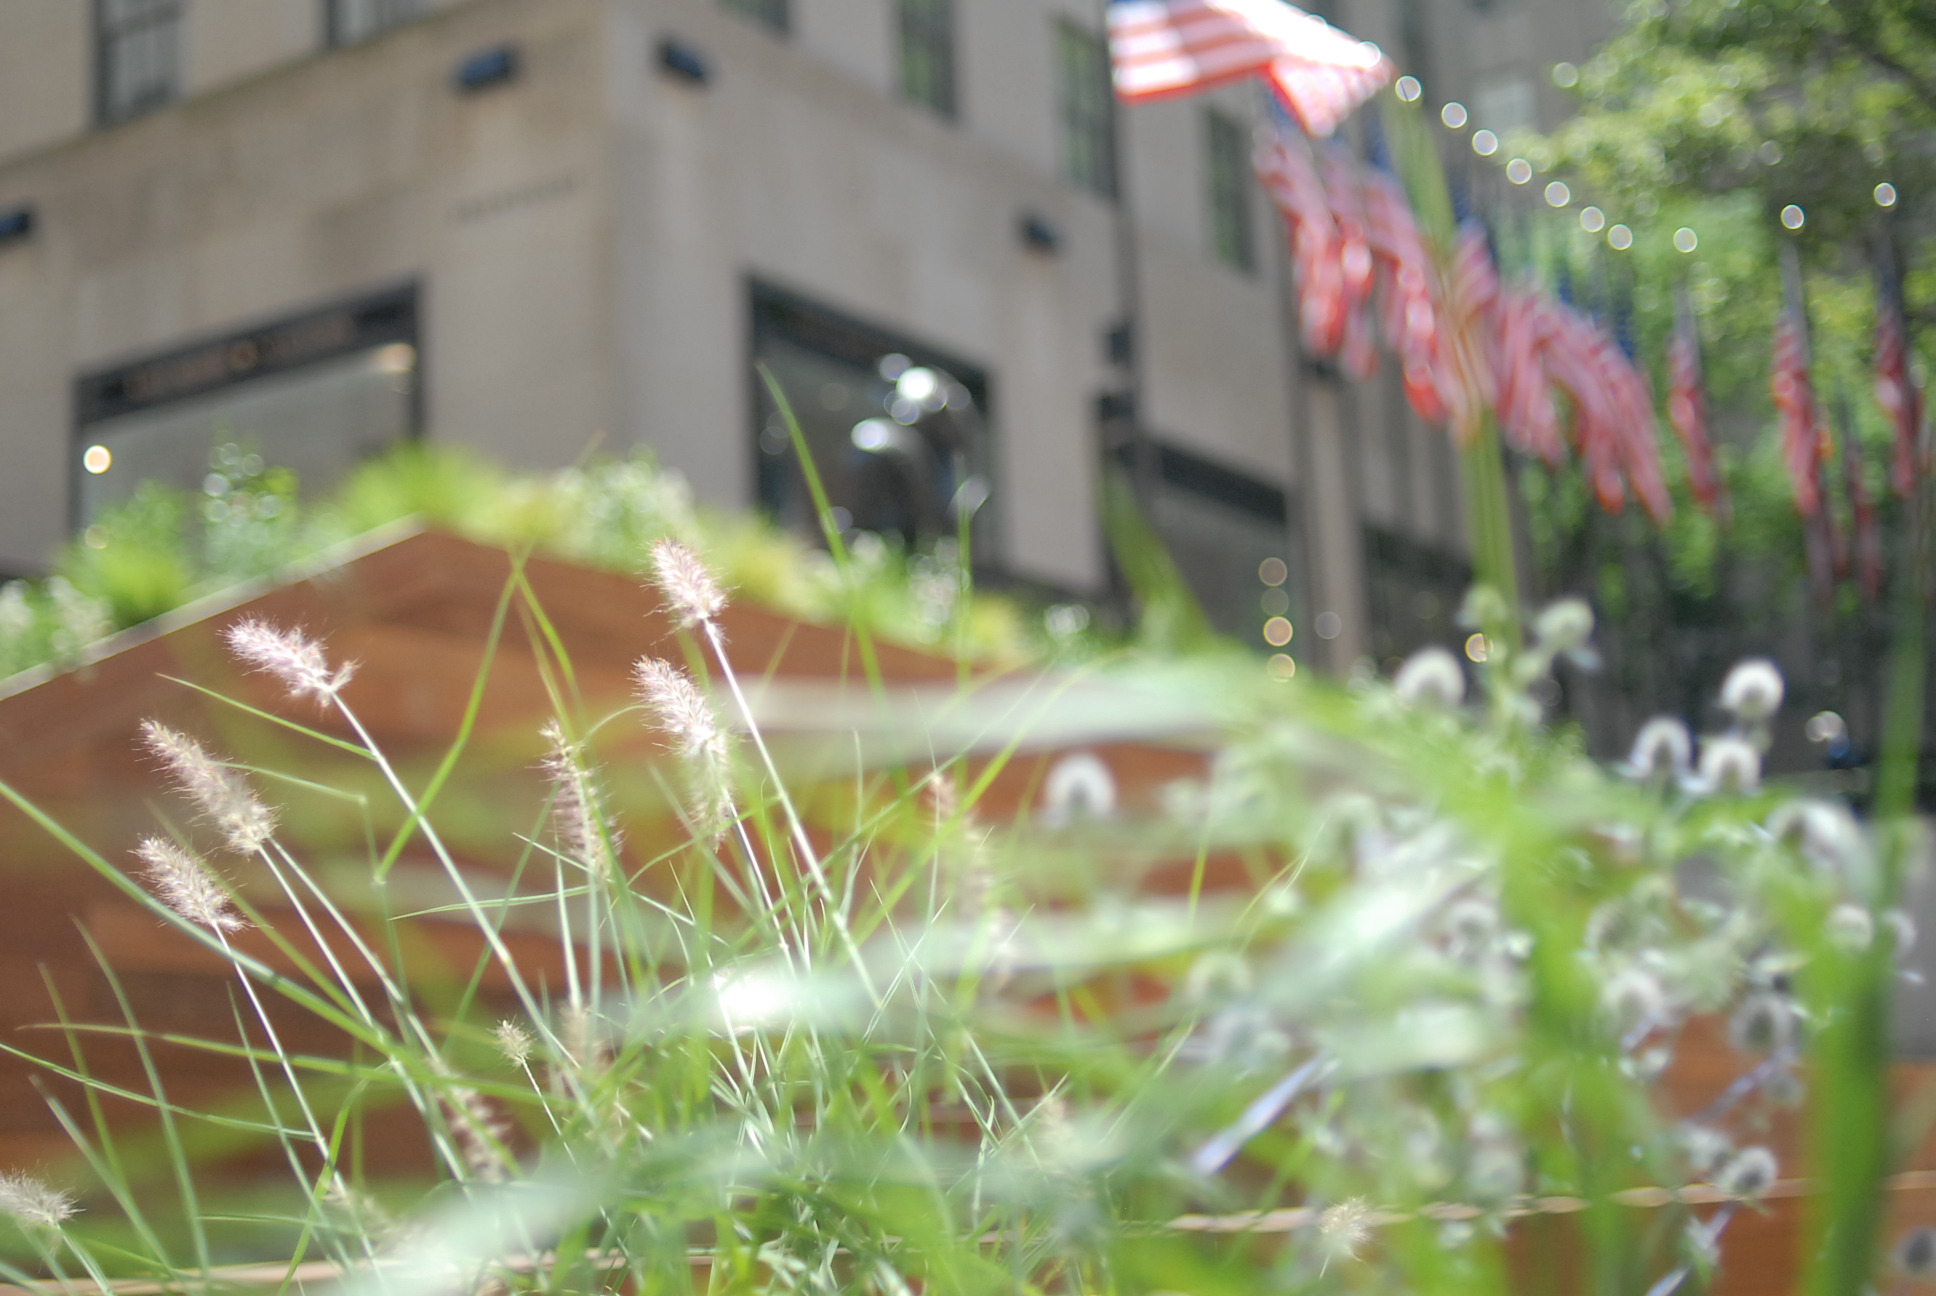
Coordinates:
1430 677
1730 764
1748 1174
1850 928
1902 930
1661 750
1752 690
1564 626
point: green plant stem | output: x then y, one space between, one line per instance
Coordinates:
1849 1118
1488 510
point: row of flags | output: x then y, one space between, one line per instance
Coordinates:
1465 342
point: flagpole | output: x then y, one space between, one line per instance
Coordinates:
1126 341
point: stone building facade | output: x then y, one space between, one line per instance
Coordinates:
548 228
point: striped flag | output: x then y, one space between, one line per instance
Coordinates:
1794 394
1896 391
1287 173
1527 416
1471 294
1355 264
1687 409
1163 48
1868 530
1571 356
1410 308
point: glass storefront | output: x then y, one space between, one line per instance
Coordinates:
314 393
897 432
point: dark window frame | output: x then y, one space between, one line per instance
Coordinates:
925 31
114 33
774 14
284 344
779 313
1227 189
1086 110
395 14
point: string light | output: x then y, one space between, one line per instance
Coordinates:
1557 194
1485 143
1453 115
1619 238
1793 217
1885 194
1519 170
1409 89
1686 239
1592 220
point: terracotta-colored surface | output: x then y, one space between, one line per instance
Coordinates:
416 616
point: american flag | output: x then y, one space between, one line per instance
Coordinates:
1794 394
1466 328
1897 392
1638 440
1287 173
1163 48
1687 410
1527 415
1868 530
1571 353
1360 348
1410 308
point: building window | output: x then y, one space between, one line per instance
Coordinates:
771 12
1413 591
1222 528
1087 109
353 20
898 433
314 393
137 56
928 53
1228 159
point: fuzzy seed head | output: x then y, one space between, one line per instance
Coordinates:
1916 1254
677 707
1730 765
478 1132
187 885
1564 626
290 656
1748 1173
1850 928
688 588
1430 677
1661 750
1752 690
514 1042
576 805
1345 1227
221 794
30 1201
